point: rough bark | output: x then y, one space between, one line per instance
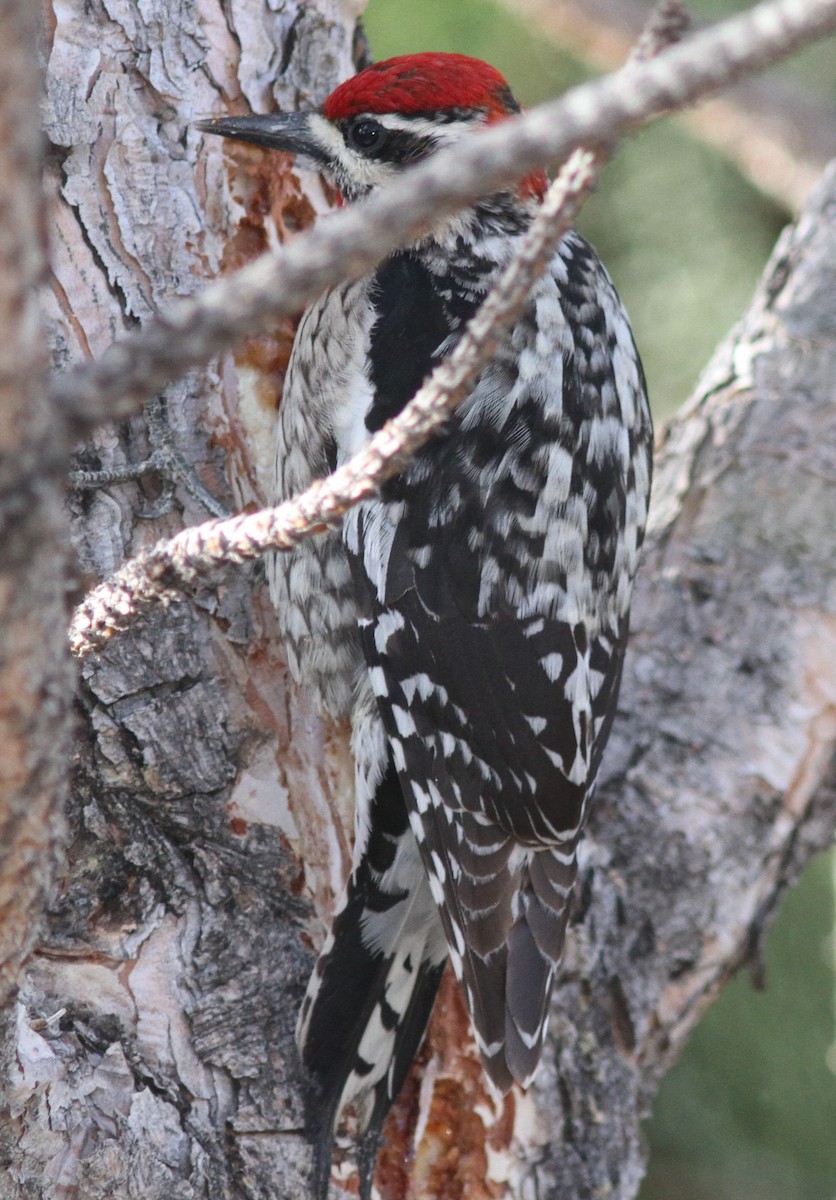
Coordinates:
151 1050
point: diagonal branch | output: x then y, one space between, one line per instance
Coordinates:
190 558
778 133
162 573
354 240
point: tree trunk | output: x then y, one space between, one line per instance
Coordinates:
150 1052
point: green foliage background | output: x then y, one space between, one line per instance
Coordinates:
749 1113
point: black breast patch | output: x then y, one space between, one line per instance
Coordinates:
416 311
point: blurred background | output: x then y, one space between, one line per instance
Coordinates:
749 1112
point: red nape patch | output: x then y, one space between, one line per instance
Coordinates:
418 83
534 184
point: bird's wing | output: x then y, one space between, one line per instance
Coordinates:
493 582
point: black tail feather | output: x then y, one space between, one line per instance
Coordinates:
372 991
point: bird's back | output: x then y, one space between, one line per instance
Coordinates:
491 583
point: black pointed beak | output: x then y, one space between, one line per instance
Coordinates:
275 131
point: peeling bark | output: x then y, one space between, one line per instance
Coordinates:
150 1052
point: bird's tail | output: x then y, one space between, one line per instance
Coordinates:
373 987
535 946
505 918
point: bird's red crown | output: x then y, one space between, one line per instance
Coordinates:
423 83
429 83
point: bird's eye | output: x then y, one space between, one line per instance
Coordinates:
366 135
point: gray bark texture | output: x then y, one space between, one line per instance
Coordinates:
148 1051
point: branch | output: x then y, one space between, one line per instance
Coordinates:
776 132
192 556
354 240
162 573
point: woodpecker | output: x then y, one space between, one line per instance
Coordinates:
472 620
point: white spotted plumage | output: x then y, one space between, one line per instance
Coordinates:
472 619
551 595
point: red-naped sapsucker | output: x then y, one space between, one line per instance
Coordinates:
472 620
